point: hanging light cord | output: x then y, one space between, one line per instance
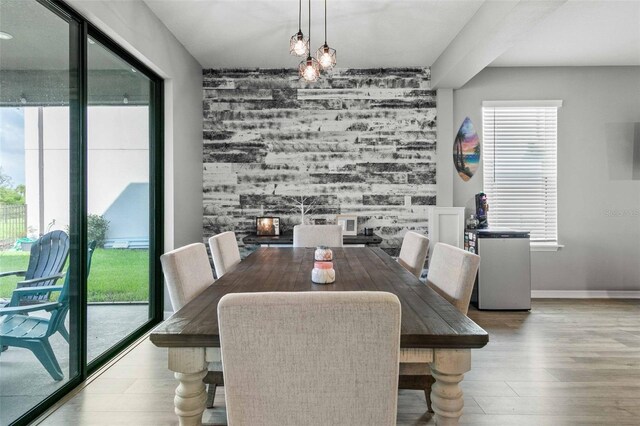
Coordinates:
309 36
325 22
300 16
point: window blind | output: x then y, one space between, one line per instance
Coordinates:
520 167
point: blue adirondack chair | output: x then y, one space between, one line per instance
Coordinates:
46 260
21 330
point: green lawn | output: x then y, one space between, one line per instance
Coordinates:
116 275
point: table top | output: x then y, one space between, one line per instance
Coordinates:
287 238
428 320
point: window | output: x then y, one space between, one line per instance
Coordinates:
520 167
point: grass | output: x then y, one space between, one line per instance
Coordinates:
116 275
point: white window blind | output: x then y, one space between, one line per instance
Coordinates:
520 167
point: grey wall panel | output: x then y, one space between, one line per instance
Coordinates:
356 142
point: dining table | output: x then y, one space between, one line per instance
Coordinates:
432 330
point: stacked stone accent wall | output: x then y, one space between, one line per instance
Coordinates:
357 142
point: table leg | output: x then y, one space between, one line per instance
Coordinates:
190 367
448 368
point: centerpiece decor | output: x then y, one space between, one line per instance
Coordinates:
323 273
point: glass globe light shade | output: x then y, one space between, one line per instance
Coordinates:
298 45
309 69
326 56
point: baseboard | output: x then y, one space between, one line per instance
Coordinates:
584 294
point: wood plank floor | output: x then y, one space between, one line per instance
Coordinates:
567 362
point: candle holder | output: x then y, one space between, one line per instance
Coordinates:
323 273
323 254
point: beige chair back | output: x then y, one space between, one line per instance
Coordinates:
310 358
452 273
225 252
317 235
414 252
187 272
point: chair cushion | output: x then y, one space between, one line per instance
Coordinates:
317 235
310 358
225 252
187 272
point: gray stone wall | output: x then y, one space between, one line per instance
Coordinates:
356 142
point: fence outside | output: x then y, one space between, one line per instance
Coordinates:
13 222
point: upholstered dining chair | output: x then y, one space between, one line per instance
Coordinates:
225 252
413 252
187 272
283 367
317 235
452 274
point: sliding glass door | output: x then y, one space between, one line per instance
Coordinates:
36 85
80 202
118 128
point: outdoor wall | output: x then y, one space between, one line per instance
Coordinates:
118 157
55 126
357 142
598 217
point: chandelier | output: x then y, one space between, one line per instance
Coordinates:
325 57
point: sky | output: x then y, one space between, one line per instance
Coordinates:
12 143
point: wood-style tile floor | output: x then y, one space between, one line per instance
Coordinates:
567 362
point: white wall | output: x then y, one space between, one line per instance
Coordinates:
134 26
55 129
118 155
599 218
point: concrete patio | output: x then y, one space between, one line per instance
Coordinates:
23 380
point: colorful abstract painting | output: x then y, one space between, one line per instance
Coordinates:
466 150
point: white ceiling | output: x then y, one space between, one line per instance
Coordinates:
582 33
394 33
366 34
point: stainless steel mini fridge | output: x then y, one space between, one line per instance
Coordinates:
504 277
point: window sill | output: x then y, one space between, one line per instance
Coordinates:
546 246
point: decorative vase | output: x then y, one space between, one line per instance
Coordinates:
323 254
323 273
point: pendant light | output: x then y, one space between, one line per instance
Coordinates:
309 69
298 45
326 56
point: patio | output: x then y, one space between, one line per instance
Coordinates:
24 382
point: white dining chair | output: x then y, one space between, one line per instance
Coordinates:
187 272
317 235
413 252
225 252
452 274
282 366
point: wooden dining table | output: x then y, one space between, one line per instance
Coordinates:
432 330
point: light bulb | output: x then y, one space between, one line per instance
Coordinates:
298 45
309 69
325 60
326 57
310 73
300 48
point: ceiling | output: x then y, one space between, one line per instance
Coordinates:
366 34
395 33
581 33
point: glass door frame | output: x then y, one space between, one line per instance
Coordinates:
80 29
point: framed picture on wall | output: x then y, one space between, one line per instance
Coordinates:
349 223
267 226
